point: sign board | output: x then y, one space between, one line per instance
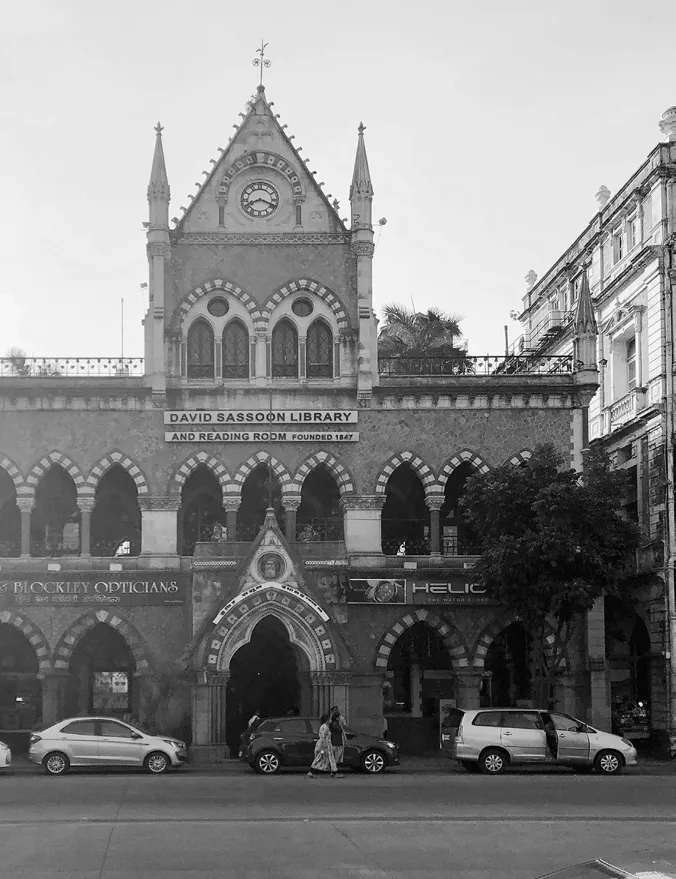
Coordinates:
452 589
67 589
259 436
243 418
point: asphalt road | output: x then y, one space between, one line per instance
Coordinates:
418 826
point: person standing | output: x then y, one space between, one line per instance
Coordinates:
337 731
323 759
253 720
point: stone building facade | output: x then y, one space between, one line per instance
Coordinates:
261 514
628 253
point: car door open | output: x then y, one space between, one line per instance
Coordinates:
572 739
524 736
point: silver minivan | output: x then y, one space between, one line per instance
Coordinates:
489 739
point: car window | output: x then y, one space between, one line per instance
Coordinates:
291 727
265 726
118 730
80 728
523 720
564 723
488 718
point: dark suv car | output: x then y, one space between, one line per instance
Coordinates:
290 741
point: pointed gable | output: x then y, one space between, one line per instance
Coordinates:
585 320
260 184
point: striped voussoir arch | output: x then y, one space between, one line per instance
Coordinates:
448 634
311 287
75 632
184 470
195 295
34 636
491 633
341 474
424 472
12 471
256 460
51 460
520 457
465 457
124 461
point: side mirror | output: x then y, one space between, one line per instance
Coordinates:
136 735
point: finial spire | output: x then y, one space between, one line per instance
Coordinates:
158 188
361 177
261 62
585 320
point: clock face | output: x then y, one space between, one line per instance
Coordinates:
259 199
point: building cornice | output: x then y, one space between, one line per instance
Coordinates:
255 239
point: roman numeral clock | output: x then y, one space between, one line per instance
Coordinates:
259 199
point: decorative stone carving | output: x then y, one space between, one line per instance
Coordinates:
253 238
364 502
231 504
163 504
158 248
362 248
86 504
435 502
25 504
291 504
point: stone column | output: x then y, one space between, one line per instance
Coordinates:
290 505
566 700
469 688
25 505
217 684
201 717
231 505
141 697
159 525
434 504
53 696
362 523
599 709
416 690
86 507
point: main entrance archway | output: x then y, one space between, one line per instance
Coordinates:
265 677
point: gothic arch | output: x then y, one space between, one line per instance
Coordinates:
425 473
307 284
466 456
101 468
210 287
74 633
183 471
34 635
12 471
39 470
496 627
304 621
341 474
275 465
449 635
520 457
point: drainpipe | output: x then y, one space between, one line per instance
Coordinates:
670 598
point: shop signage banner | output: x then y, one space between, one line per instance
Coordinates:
442 590
229 418
65 589
259 436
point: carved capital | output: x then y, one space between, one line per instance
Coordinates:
435 502
291 503
25 504
86 504
365 502
362 248
218 678
160 504
159 248
231 504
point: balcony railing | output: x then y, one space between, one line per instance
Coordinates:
320 530
409 367
627 407
543 333
71 367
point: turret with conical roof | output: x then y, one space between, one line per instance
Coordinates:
586 329
159 194
361 190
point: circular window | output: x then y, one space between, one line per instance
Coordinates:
218 306
302 307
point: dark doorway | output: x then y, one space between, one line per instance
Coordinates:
101 679
507 679
405 517
55 520
116 519
261 490
10 518
20 688
319 516
201 509
263 678
457 536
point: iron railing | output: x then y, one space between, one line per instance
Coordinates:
316 530
10 549
489 364
71 367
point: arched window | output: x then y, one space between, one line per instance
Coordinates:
235 350
319 351
284 350
200 350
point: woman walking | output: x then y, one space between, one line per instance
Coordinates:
323 761
337 730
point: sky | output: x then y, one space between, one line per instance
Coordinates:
489 127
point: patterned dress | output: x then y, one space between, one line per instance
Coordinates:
324 761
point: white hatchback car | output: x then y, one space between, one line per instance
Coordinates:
103 741
490 739
5 756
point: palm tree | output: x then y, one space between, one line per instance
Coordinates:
428 339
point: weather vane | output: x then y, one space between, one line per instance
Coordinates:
262 61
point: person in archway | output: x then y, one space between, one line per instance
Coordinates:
337 726
323 761
255 717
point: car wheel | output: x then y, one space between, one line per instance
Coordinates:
492 762
156 763
56 763
608 763
373 762
267 763
470 765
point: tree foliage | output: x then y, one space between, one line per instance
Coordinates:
551 544
408 333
